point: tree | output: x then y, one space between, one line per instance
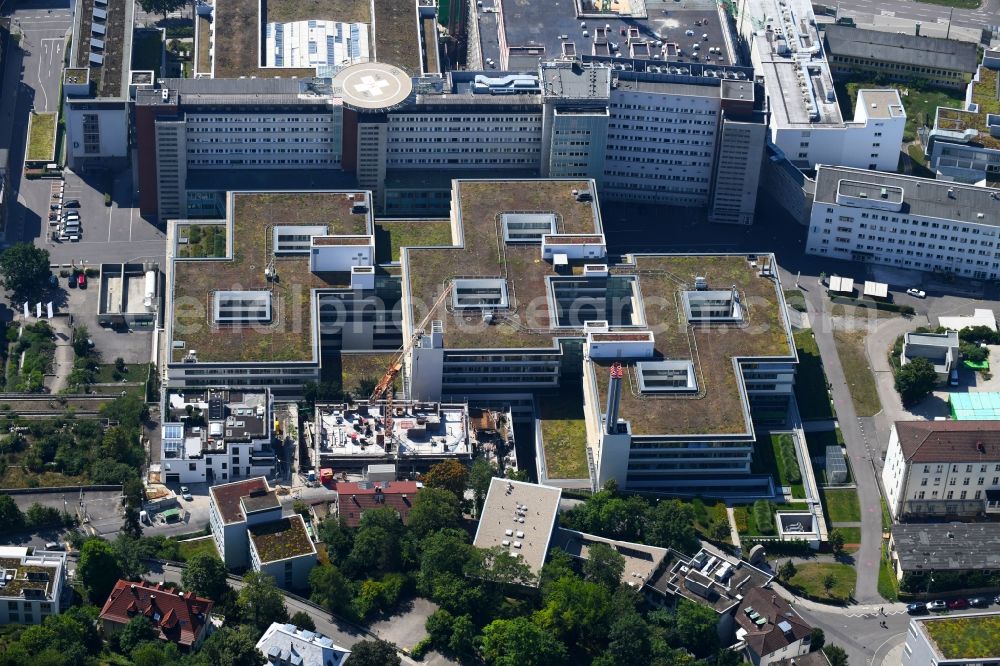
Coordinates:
520 642
331 589
260 602
499 569
130 411
829 581
480 477
628 640
915 380
24 271
450 475
696 628
230 647
303 620
162 7
787 570
836 655
338 539
434 509
604 565
373 653
575 610
463 633
837 542
129 554
81 342
156 654
205 575
138 630
134 493
614 517
438 627
670 524
11 518
817 639
98 569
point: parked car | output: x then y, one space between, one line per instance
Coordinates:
918 293
71 282
996 599
937 606
53 545
55 207
71 203
186 493
916 608
81 280
979 602
958 604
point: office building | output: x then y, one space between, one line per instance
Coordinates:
176 617
952 641
781 42
288 645
31 586
897 56
906 222
225 435
964 144
97 84
942 468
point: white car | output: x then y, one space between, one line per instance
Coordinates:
186 493
917 293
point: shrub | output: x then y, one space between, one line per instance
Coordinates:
107 199
421 648
786 449
763 515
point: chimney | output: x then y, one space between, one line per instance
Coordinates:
614 399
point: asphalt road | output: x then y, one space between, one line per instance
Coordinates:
988 13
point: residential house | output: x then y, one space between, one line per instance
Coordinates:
31 586
769 628
177 617
287 645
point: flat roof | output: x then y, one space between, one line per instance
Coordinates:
228 496
641 561
967 637
899 47
535 29
876 289
397 35
987 99
290 336
237 34
281 539
372 86
709 578
113 21
519 517
418 429
975 405
947 546
881 103
39 571
945 200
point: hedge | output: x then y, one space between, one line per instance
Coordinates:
763 515
877 305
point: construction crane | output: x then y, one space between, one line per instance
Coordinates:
385 383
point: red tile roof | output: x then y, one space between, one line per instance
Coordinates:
180 618
949 441
227 497
357 497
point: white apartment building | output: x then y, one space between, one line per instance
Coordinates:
235 507
31 586
230 437
288 645
781 40
283 550
942 468
921 648
905 221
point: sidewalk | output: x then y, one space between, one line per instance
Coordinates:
853 610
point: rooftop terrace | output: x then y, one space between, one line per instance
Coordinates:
282 539
250 217
27 576
986 95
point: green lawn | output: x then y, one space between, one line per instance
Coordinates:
203 240
852 537
851 349
810 380
841 506
189 549
747 526
919 160
564 434
886 518
966 637
920 104
810 575
958 4
42 140
888 586
391 236
708 513
134 373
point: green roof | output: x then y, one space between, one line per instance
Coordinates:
973 637
976 406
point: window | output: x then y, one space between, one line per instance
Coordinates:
192 467
479 293
527 227
242 307
666 376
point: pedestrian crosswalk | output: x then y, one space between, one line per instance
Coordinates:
875 611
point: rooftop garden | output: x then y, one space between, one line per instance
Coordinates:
204 28
42 137
281 539
198 241
985 94
20 581
396 39
564 434
966 637
348 11
237 42
393 235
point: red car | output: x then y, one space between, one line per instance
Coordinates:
958 604
81 280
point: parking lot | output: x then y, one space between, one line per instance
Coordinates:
108 234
